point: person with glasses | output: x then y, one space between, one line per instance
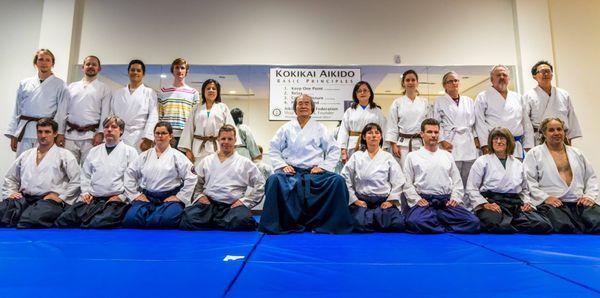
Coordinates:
456 114
498 190
363 110
545 100
159 184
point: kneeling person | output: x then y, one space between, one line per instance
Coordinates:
160 183
304 194
40 183
562 182
434 189
375 180
102 203
498 190
223 179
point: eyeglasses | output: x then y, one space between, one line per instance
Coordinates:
452 81
161 133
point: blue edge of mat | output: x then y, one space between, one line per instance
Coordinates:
161 263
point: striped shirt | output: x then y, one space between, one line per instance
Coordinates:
175 105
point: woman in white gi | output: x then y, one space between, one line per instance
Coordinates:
304 194
456 114
363 110
136 105
375 180
562 182
159 183
406 114
498 190
199 136
102 203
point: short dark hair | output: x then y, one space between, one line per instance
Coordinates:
95 57
205 84
164 124
116 120
367 128
534 70
372 103
47 122
180 61
227 128
137 61
312 102
429 121
504 133
237 115
43 51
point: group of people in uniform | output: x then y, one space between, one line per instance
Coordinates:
93 158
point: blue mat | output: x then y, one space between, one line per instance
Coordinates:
155 263
120 263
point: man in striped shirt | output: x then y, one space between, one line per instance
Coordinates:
176 101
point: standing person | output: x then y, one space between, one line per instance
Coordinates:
499 107
175 102
406 114
546 101
265 168
229 185
247 146
375 180
434 190
136 105
363 110
498 190
199 136
40 183
159 184
37 97
304 194
562 182
102 203
456 114
88 105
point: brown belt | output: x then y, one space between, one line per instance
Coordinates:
410 138
207 139
28 119
359 135
90 127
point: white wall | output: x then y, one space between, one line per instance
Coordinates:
576 41
20 30
427 32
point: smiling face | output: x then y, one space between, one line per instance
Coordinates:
226 141
162 136
452 83
372 138
544 74
554 133
136 73
210 92
499 144
500 79
410 82
91 67
179 71
303 106
363 94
